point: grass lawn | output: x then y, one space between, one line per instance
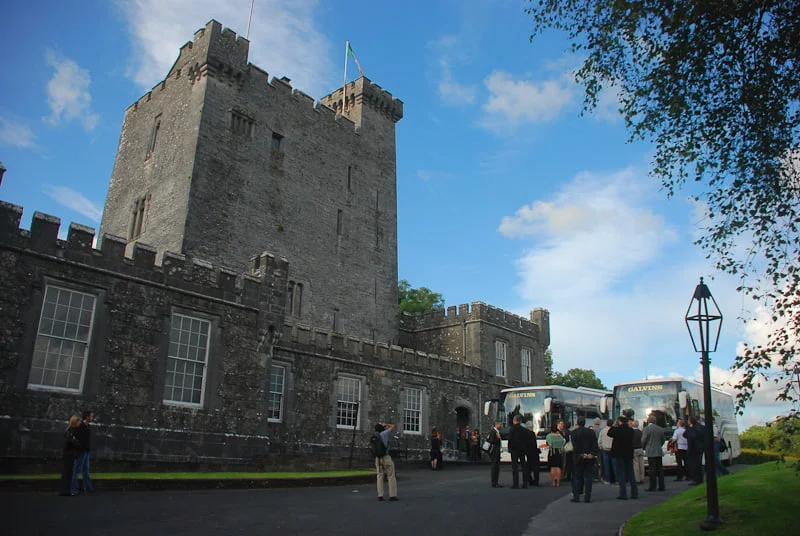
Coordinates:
198 476
762 499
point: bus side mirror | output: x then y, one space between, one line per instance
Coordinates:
683 399
486 407
604 405
548 403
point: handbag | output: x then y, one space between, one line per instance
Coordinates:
568 447
486 447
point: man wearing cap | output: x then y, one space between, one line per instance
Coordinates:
384 464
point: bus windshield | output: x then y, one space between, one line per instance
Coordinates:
660 399
530 405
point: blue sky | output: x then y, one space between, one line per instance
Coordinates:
506 194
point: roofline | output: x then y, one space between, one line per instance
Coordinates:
673 380
581 390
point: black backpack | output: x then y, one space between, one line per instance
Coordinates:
379 450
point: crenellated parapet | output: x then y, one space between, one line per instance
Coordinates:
219 53
303 337
465 313
367 93
175 271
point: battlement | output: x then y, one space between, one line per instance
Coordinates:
308 338
219 53
176 270
475 312
365 92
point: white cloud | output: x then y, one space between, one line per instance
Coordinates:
594 232
16 134
75 201
283 39
68 93
525 101
450 91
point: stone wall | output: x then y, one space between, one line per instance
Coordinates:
124 377
469 332
230 163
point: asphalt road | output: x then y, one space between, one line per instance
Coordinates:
455 500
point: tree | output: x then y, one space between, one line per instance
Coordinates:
574 377
549 378
417 300
715 86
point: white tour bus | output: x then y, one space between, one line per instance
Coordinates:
677 398
546 405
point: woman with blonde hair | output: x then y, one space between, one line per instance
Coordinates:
70 451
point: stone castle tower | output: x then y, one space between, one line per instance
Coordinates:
221 163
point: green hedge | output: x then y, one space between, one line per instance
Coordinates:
754 457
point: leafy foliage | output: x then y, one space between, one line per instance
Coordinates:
781 436
417 300
715 86
574 377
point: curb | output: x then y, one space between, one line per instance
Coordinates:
114 484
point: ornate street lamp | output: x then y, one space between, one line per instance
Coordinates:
704 321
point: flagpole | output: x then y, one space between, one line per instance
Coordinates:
344 85
250 19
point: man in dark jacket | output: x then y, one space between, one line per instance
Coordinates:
494 454
84 436
622 454
695 436
585 452
532 453
516 447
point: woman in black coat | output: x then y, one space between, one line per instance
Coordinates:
69 453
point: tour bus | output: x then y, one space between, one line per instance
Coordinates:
677 398
546 405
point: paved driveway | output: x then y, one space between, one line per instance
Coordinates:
457 499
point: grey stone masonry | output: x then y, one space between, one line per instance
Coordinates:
124 361
220 163
471 333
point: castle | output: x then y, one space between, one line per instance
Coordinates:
241 305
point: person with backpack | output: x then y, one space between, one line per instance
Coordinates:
379 443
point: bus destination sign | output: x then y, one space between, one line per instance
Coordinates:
644 388
521 395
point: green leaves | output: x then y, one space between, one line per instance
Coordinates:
715 86
417 300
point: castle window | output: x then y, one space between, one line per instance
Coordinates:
241 124
151 144
348 398
62 341
335 320
277 381
500 358
412 410
339 222
187 361
276 141
525 359
349 178
294 299
137 221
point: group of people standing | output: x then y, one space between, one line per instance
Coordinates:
524 454
687 444
76 455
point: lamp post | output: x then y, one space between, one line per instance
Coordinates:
704 321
